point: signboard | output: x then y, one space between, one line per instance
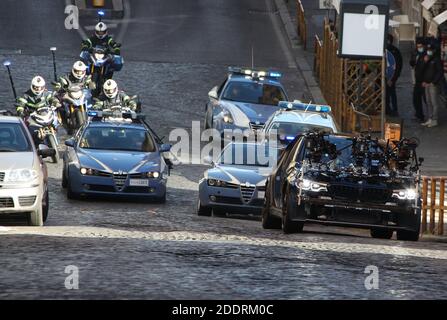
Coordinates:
393 131
363 29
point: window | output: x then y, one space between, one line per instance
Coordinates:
254 92
13 138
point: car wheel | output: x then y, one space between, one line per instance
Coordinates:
36 217
381 233
202 210
220 213
269 221
45 205
64 179
70 194
413 235
289 226
161 199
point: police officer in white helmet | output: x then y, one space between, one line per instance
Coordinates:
112 96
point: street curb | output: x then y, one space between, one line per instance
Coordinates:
303 66
117 10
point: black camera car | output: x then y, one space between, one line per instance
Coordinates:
354 181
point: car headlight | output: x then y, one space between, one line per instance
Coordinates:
308 185
227 118
407 194
153 174
216 183
88 171
21 175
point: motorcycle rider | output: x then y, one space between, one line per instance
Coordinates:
111 96
101 38
33 99
77 76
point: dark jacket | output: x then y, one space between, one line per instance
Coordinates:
106 42
418 64
433 70
398 57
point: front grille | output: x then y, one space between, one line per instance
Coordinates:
358 193
228 200
2 176
120 181
6 203
99 188
134 189
27 201
256 126
247 193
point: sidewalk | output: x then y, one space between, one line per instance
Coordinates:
433 146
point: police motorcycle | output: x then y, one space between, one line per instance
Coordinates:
100 65
76 102
44 121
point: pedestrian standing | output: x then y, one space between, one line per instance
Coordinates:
432 79
395 64
417 63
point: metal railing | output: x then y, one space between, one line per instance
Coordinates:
433 205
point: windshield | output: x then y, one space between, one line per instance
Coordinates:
13 138
112 138
287 131
344 152
254 92
244 154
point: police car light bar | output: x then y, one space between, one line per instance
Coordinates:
255 73
101 13
304 106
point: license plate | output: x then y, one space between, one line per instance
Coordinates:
261 194
139 182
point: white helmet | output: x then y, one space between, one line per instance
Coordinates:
79 69
110 88
101 30
38 85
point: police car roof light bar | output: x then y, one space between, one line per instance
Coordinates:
286 105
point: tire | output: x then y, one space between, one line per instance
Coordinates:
202 210
52 143
269 221
161 199
45 206
411 235
79 119
288 226
219 213
381 233
70 194
64 179
36 218
407 235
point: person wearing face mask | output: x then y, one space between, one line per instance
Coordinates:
391 97
417 63
431 81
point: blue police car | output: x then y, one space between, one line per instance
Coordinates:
245 100
119 157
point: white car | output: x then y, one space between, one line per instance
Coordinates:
23 174
295 118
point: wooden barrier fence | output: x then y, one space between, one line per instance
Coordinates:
433 202
301 23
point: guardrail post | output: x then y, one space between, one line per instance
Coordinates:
424 204
432 205
441 207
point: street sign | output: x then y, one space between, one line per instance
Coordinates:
363 29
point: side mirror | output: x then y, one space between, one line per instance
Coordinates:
208 160
165 147
213 93
421 160
45 152
70 143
